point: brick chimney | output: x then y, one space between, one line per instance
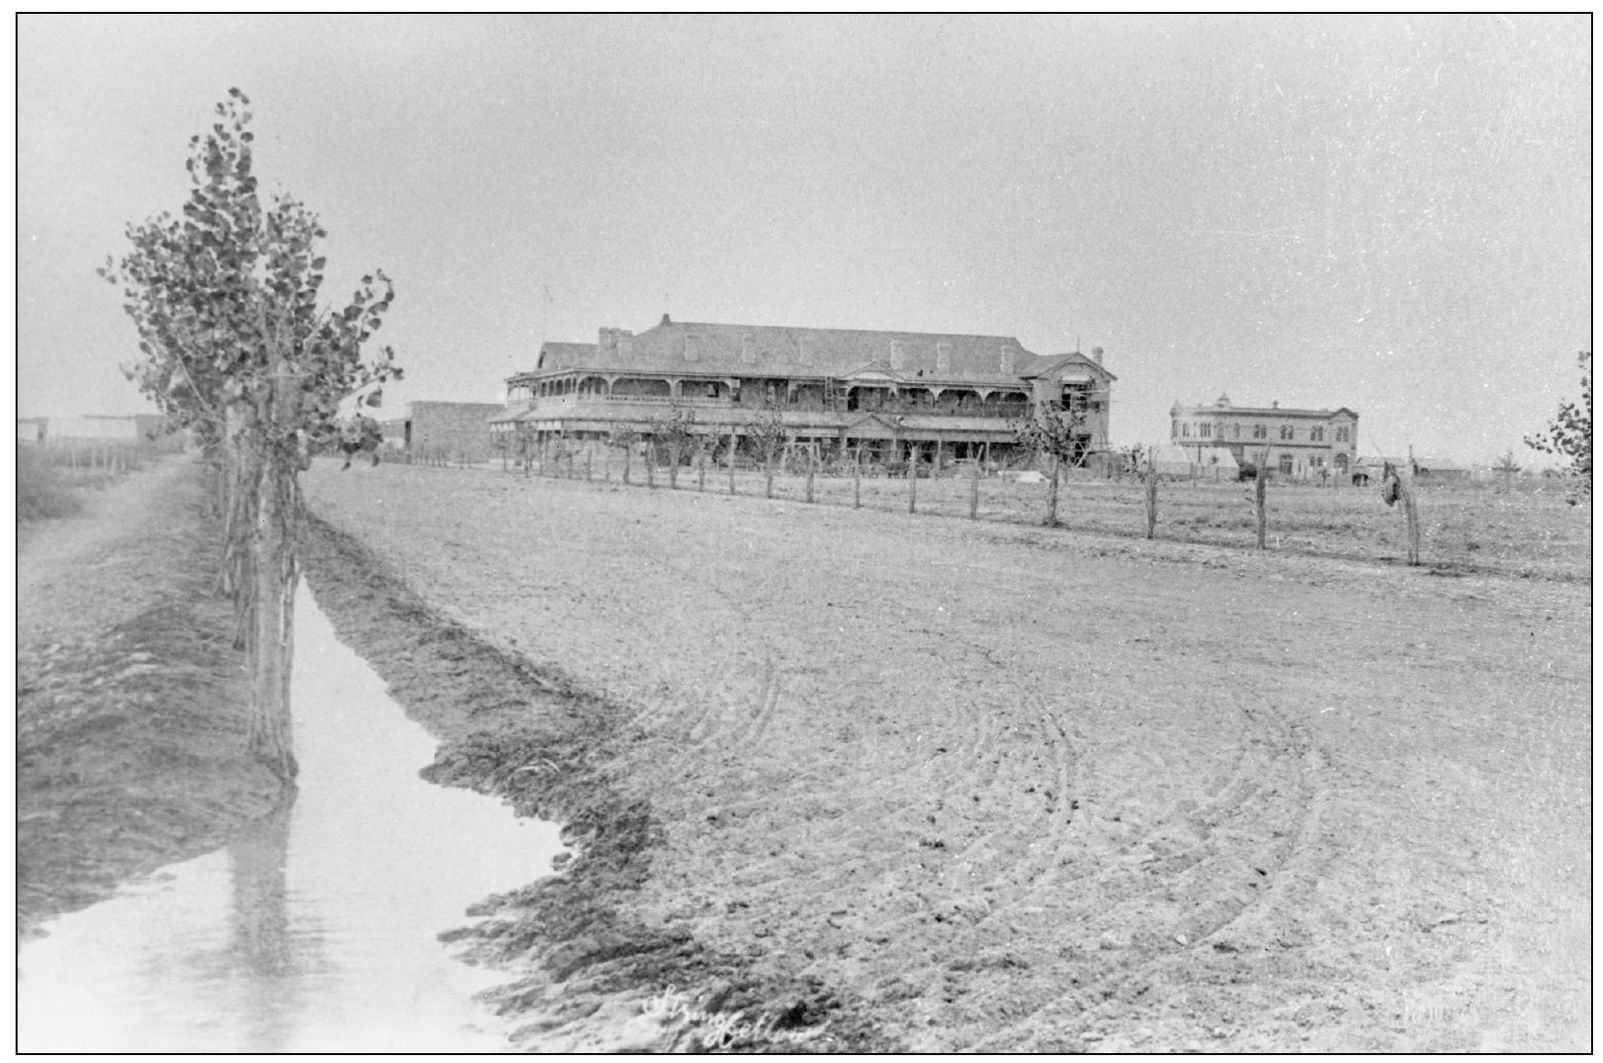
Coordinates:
1096 355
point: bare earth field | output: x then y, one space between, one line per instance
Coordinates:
885 781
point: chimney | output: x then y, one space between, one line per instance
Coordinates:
666 320
1096 355
609 339
1007 360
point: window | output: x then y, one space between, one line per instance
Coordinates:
1235 431
1185 430
1174 429
1316 434
1260 431
1285 464
1341 433
1205 431
1287 432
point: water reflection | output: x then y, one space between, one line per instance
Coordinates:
316 929
262 944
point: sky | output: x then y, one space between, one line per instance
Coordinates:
1387 213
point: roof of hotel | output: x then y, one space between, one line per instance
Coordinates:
694 348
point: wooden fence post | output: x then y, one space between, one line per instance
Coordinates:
1411 512
650 457
974 492
1152 499
812 462
1052 492
701 467
1260 499
734 445
628 449
857 479
912 480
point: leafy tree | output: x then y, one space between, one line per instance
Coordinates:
768 436
1569 435
1058 433
675 431
237 343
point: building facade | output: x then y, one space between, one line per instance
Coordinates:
453 431
1301 444
891 396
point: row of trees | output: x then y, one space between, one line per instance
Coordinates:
238 344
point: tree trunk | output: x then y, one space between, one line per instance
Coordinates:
273 647
276 574
912 480
627 450
812 463
701 469
768 471
734 443
974 493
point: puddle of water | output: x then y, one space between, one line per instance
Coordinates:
317 931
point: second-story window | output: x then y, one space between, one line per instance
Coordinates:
1316 434
1185 430
1205 431
1260 431
1341 433
1287 432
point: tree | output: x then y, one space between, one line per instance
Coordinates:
1506 468
236 342
1569 435
768 437
676 431
623 439
1058 432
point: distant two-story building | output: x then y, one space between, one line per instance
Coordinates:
895 395
1302 444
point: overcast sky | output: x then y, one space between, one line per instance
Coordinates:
1388 213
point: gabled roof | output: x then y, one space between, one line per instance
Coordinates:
694 349
1060 365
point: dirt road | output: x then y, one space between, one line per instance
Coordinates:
1003 788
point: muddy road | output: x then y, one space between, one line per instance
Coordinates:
994 788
